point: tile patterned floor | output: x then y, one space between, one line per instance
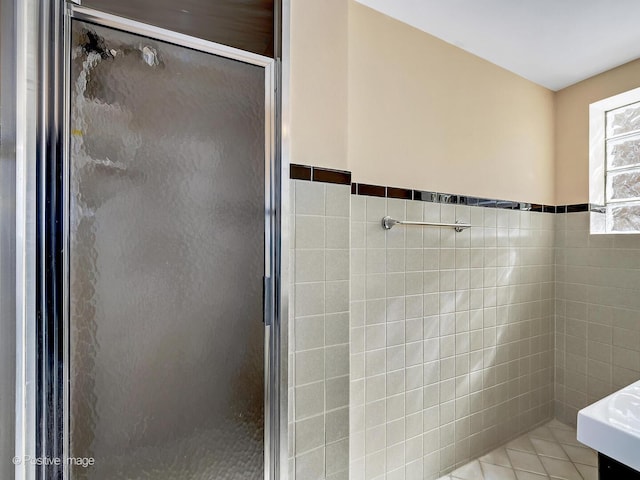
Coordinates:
550 451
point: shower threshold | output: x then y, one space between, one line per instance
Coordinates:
550 451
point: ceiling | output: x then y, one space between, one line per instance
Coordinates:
554 43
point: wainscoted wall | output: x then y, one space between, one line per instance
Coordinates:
416 349
597 314
451 334
319 331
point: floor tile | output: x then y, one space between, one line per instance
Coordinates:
567 437
497 457
470 471
558 424
529 462
496 472
560 469
521 443
587 472
530 476
582 455
549 449
550 452
542 432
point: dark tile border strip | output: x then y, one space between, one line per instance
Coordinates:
299 172
343 177
401 193
579 207
536 207
319 174
370 190
331 176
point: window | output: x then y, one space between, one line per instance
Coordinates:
614 164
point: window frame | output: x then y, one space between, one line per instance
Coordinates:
598 205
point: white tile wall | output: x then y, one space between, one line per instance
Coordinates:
319 334
597 314
418 349
451 335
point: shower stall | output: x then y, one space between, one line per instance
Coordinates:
147 226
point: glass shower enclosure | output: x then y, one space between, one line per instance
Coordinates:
161 348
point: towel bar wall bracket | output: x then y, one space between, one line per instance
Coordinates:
388 223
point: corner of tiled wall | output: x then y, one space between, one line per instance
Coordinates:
319 340
597 314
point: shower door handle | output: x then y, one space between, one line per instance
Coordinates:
267 295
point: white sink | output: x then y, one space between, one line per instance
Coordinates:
612 426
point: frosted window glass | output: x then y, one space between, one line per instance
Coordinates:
623 185
623 120
166 260
623 217
624 152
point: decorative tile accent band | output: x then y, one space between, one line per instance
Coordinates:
319 174
437 197
343 177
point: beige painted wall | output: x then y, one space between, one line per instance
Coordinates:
319 83
572 128
427 115
399 107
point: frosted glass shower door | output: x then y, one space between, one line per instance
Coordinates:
166 260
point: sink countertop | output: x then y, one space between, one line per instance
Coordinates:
612 426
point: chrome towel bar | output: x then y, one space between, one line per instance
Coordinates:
388 223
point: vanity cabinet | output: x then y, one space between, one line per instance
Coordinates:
610 469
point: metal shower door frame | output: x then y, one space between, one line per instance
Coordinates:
52 437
